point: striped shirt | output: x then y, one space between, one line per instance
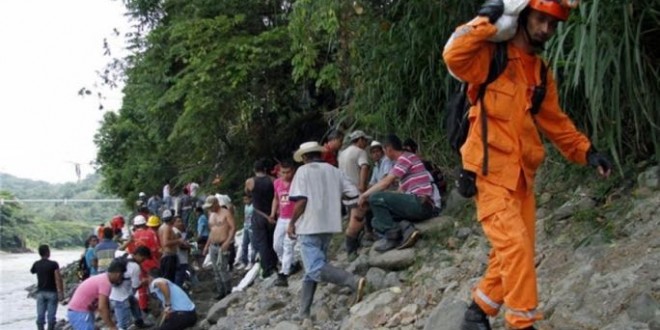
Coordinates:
414 178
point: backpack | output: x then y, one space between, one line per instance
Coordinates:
437 176
83 271
457 123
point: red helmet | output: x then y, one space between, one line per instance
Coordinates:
551 7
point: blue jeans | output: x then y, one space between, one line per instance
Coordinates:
46 301
81 320
245 248
313 250
180 276
124 310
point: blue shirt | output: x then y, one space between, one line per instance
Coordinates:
105 252
203 226
381 169
90 255
178 299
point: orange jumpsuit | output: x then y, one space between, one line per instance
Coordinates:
505 196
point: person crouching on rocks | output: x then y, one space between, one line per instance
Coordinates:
92 294
178 310
317 189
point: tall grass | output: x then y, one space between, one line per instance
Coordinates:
605 57
610 74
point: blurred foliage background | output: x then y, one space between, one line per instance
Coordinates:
212 85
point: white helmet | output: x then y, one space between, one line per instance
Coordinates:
139 220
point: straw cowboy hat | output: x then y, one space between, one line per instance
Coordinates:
305 148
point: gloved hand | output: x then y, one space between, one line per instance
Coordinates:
492 9
467 184
507 24
599 161
514 7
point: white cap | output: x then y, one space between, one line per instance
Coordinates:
167 215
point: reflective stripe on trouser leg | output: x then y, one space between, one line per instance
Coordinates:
511 276
489 306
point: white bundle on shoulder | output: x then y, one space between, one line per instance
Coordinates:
507 24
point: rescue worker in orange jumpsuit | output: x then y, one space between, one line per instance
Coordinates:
504 194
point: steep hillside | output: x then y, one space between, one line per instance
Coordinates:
598 264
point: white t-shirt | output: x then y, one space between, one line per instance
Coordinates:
166 191
193 189
350 160
131 281
323 185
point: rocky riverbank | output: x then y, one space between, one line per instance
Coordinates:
598 265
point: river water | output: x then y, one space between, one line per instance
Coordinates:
17 311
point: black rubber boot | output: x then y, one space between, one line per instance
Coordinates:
351 244
410 236
338 276
306 299
475 318
391 240
282 280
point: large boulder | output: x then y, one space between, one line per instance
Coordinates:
650 178
393 259
437 224
447 315
219 310
375 277
372 311
286 325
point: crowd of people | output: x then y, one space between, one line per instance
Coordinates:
289 216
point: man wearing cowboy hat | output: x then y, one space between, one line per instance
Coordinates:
381 164
317 190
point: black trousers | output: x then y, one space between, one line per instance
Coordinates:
262 240
179 320
168 266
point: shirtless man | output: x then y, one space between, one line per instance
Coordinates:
222 227
169 244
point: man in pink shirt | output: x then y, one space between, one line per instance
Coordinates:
92 294
282 243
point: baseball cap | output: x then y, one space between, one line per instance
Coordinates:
358 134
375 144
167 215
210 201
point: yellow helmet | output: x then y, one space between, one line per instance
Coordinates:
154 221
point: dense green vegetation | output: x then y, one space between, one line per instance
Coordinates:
59 224
213 85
